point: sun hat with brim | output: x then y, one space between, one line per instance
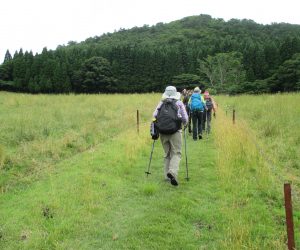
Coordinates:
197 90
171 92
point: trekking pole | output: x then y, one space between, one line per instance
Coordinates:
186 162
148 172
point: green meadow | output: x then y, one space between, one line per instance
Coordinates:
72 175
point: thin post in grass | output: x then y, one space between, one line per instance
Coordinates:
138 121
233 116
289 216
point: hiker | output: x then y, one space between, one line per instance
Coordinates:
211 107
197 106
183 93
170 113
186 94
190 92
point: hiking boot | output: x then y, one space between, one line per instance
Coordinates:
200 137
173 180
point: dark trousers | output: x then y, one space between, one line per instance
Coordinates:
197 117
206 120
190 118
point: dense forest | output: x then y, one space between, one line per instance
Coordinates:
237 56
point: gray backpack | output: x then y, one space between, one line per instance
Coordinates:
209 104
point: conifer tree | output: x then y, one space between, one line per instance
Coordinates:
7 56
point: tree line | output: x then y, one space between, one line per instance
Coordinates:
238 56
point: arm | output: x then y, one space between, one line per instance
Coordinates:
189 102
214 105
156 109
182 112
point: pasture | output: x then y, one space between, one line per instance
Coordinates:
72 175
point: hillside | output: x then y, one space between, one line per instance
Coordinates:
253 57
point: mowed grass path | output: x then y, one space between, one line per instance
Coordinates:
101 199
104 201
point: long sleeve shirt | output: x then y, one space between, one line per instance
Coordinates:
182 114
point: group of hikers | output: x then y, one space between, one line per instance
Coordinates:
174 110
199 108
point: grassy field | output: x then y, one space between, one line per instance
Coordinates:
72 177
39 131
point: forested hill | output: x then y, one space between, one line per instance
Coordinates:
232 57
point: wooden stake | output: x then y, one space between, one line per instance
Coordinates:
289 216
233 116
138 121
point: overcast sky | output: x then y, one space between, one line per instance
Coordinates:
34 24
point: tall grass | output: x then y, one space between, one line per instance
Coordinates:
39 130
275 120
271 124
252 198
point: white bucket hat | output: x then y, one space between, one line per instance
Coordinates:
197 90
171 92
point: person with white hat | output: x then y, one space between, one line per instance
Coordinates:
197 106
169 114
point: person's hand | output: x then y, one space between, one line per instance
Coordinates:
155 137
214 114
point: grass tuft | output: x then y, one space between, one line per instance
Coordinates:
150 189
